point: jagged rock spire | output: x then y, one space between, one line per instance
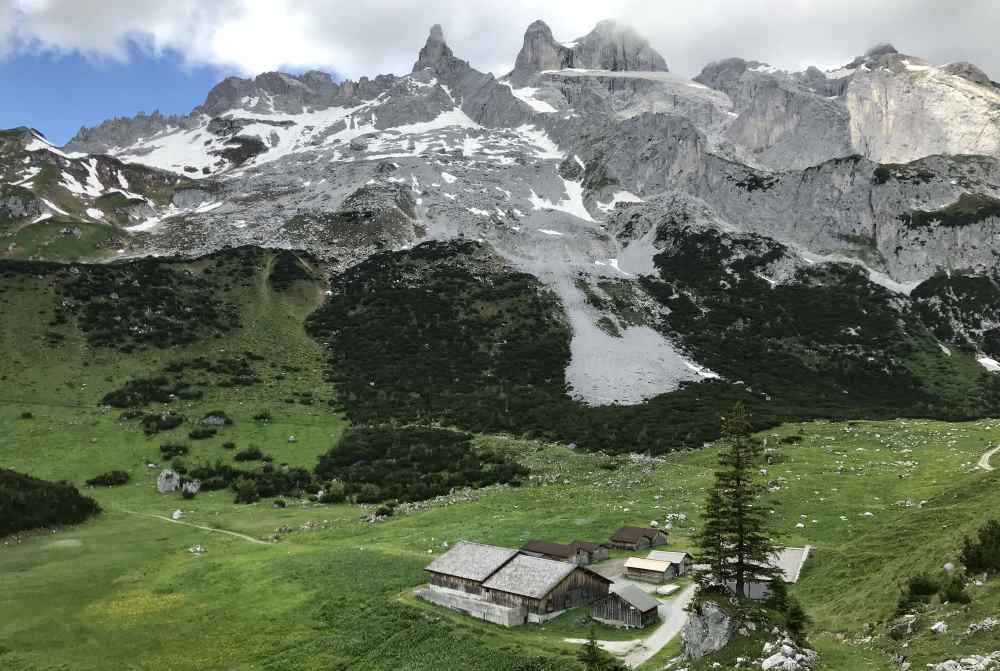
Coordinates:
435 52
540 52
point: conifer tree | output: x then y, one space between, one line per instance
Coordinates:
734 541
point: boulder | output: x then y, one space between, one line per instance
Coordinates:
707 630
192 487
177 514
168 481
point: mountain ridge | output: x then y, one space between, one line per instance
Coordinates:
545 163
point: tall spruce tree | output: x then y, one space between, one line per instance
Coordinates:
734 542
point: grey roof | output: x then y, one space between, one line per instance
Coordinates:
472 561
669 556
528 576
789 561
635 596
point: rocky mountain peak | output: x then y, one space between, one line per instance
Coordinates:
881 49
540 52
615 46
435 53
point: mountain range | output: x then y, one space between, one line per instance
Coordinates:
821 242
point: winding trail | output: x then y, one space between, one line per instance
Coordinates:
984 461
236 534
639 651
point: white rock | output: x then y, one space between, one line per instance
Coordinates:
939 627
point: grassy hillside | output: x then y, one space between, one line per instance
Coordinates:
314 586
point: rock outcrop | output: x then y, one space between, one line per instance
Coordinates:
540 52
615 46
709 629
167 481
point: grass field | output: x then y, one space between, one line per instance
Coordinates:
333 591
879 501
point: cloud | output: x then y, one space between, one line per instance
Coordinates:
367 37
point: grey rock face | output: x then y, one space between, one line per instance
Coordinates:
168 481
707 631
539 52
613 46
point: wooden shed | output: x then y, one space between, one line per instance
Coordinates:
556 551
626 606
465 566
544 587
649 570
683 560
638 538
595 551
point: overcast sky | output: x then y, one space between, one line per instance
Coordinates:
367 37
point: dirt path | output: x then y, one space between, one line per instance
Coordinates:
638 652
249 539
984 461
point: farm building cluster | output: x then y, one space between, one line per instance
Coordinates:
542 579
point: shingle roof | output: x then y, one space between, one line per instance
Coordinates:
528 576
633 534
472 561
635 597
647 564
547 548
586 545
672 557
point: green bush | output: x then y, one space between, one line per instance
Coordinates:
29 503
249 454
109 479
982 553
171 450
333 492
202 433
918 592
378 464
246 490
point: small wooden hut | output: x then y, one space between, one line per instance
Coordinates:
626 606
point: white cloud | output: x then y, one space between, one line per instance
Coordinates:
366 37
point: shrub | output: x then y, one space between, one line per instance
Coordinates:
246 490
171 450
178 464
377 464
264 417
953 589
155 423
249 454
333 492
27 415
109 479
280 503
982 553
201 433
229 445
918 591
30 503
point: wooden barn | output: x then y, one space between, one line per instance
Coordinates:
544 587
465 566
682 560
556 552
626 606
638 538
649 570
595 551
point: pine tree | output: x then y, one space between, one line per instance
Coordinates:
734 540
595 659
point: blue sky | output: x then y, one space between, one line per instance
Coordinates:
58 94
